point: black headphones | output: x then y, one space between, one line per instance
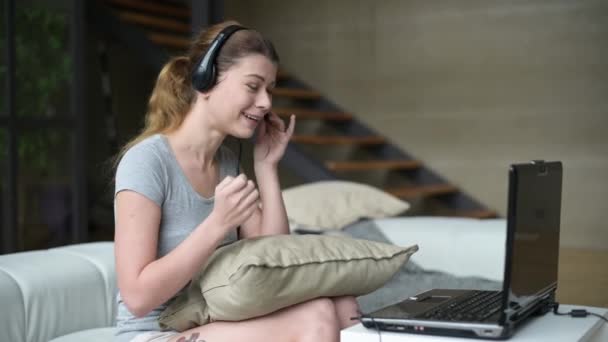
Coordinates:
204 72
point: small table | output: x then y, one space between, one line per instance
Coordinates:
548 327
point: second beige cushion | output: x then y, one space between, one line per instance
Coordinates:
335 204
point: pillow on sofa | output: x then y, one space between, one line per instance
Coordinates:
254 277
336 204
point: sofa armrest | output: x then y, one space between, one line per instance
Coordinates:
50 293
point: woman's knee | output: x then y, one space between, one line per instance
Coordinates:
347 310
346 303
318 320
322 306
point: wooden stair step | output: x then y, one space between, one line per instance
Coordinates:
165 9
169 40
154 21
410 192
296 93
308 114
373 165
338 140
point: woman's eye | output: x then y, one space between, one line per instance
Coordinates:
252 87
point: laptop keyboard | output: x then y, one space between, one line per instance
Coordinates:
476 307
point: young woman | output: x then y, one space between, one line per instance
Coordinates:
179 196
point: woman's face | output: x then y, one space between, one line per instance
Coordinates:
242 97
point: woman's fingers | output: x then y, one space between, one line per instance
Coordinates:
245 191
262 128
280 123
223 183
292 125
250 200
276 122
236 185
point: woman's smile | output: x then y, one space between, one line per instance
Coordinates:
252 120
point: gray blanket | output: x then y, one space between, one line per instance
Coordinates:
411 279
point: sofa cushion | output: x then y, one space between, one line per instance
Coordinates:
100 255
257 276
90 335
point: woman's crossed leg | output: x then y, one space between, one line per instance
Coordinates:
316 320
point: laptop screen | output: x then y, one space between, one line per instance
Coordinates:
534 210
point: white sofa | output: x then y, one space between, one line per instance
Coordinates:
462 247
67 294
63 294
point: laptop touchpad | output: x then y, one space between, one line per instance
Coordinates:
434 299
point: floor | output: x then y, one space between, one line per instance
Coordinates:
583 277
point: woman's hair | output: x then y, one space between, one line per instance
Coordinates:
173 94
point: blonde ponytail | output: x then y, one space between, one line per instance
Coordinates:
171 99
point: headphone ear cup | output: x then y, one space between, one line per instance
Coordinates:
205 79
205 73
196 80
200 80
210 78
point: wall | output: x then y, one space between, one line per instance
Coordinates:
466 86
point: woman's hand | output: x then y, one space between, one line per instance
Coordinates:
236 199
272 139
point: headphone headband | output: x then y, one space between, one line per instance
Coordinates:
205 70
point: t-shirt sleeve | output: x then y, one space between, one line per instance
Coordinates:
141 170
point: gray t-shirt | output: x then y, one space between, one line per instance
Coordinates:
151 169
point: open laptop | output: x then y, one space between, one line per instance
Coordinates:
530 270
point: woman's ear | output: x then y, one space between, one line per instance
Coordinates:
204 95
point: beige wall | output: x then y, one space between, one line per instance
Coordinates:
466 86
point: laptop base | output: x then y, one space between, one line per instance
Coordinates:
491 329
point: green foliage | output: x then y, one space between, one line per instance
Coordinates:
43 71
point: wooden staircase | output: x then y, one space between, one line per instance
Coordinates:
165 23
322 127
333 128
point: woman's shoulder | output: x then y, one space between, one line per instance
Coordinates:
142 170
152 145
149 150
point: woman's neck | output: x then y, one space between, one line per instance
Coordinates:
196 142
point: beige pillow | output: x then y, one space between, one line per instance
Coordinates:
336 204
254 277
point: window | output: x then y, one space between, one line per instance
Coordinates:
43 183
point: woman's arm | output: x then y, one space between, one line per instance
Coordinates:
269 148
144 281
274 216
271 219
